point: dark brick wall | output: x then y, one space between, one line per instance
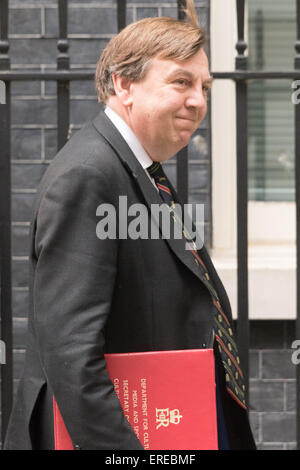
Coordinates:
273 384
33 45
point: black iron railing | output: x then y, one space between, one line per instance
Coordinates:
5 226
63 76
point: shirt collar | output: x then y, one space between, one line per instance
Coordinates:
130 138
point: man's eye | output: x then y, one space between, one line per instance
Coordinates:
181 81
206 88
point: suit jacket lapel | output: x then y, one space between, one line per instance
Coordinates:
116 141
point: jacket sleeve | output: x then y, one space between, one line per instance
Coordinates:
73 287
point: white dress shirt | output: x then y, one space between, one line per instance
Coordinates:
131 139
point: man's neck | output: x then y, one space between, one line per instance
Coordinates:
115 106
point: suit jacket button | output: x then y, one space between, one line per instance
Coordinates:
77 447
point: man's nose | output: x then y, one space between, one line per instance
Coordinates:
196 99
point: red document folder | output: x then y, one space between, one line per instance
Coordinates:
169 398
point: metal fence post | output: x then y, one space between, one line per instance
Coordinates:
63 86
242 197
5 229
297 186
182 155
121 14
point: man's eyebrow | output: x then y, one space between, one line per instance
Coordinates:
186 73
208 81
181 72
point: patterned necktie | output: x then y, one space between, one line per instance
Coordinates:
223 329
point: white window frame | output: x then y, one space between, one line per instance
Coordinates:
272 225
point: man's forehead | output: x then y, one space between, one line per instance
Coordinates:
193 67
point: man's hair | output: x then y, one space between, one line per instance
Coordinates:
130 52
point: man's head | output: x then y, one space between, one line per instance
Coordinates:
130 52
155 75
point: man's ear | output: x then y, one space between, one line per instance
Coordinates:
122 89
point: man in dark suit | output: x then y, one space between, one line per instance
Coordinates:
91 295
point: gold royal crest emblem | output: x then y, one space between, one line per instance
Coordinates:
165 416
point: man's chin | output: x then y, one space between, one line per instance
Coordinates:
184 137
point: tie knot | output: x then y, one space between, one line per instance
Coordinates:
157 173
156 170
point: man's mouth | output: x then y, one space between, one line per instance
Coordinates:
186 118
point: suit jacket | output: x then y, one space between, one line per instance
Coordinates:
89 297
